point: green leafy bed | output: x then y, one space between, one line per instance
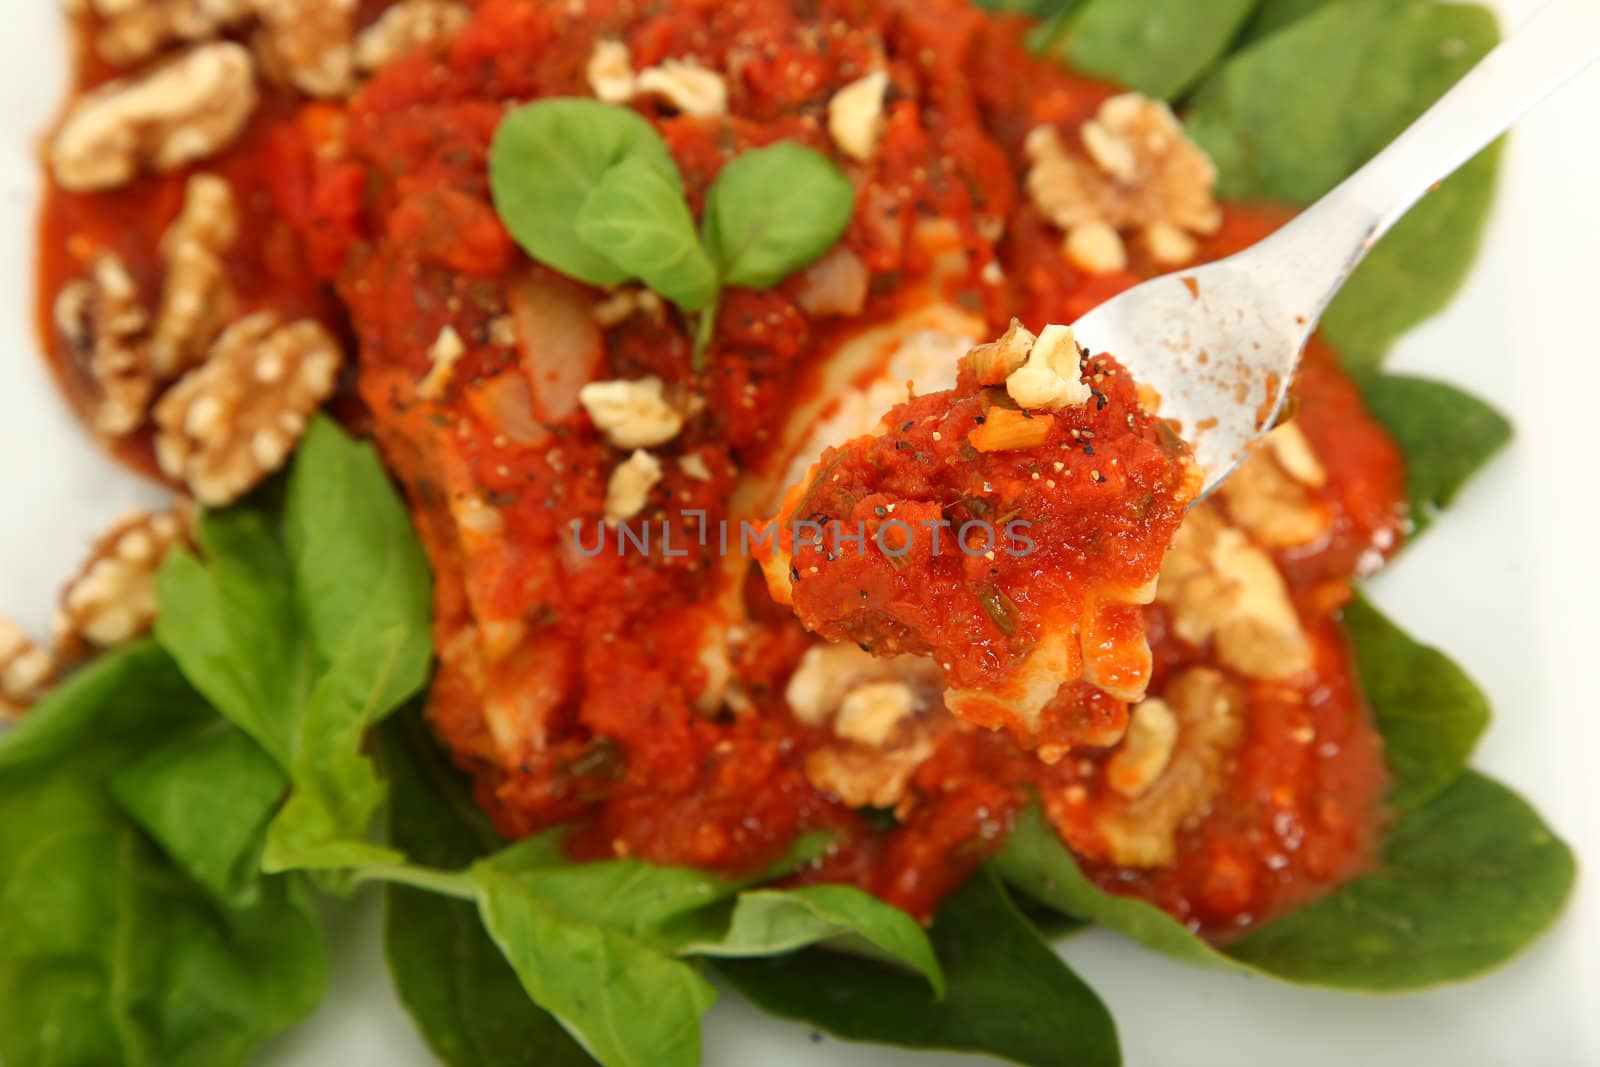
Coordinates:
168 815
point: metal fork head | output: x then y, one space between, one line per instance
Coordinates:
1218 347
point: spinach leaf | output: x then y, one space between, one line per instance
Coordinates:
457 986
206 797
1009 994
773 211
1414 271
627 1003
306 625
1291 115
630 897
547 158
109 954
1040 866
1301 108
1159 47
1464 884
1445 434
768 922
638 218
1428 710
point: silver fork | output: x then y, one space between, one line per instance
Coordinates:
1221 342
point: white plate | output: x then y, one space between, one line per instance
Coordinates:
1507 584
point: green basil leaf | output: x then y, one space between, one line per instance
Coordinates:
361 581
1299 109
1428 710
638 218
768 922
230 624
1009 995
627 896
547 158
628 1004
456 985
774 210
306 625
1464 883
1040 866
1159 47
1445 434
109 954
206 797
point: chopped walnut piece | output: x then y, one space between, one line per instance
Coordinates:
631 413
100 320
1134 170
178 112
1221 587
686 85
1052 378
610 73
26 669
445 352
1146 748
1268 495
409 26
310 44
629 488
134 34
196 297
1095 248
863 776
234 419
993 363
622 305
112 600
885 713
855 116
1207 712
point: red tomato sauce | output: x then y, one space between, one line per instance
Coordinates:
574 686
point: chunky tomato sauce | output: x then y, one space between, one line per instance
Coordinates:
981 530
642 693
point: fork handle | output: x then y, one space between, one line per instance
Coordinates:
1319 250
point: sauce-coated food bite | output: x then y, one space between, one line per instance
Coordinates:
1008 528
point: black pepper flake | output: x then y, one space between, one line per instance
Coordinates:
1088 450
794 573
1101 478
980 419
880 511
907 426
863 594
1100 401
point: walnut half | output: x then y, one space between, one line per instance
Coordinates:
310 44
233 420
112 599
196 298
186 109
1169 771
100 319
26 669
1132 170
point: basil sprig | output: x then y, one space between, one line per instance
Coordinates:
591 190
